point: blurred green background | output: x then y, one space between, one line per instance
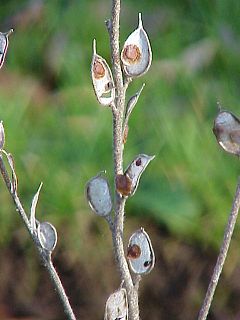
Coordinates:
58 134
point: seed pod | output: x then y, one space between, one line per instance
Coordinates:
135 170
2 135
47 236
140 252
4 45
102 79
227 131
117 306
136 53
99 196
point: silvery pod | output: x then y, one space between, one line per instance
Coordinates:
227 131
102 79
4 45
135 170
117 306
47 235
99 196
140 253
136 53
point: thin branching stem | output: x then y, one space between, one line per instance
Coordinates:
222 256
44 256
118 118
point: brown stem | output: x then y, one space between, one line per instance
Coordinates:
222 256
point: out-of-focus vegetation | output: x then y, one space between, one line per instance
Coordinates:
59 134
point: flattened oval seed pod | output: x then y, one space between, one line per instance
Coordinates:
2 135
102 79
227 131
140 253
117 306
4 45
99 196
136 54
47 235
135 170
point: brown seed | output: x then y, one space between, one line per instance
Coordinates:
98 70
123 184
134 251
131 53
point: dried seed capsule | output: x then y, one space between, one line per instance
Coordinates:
99 196
227 131
136 53
2 135
102 79
47 235
140 252
117 306
135 170
4 45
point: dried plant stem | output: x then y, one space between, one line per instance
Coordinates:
222 256
118 118
44 256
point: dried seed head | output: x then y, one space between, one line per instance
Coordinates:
47 236
123 184
227 131
131 53
136 54
140 252
99 196
102 79
2 135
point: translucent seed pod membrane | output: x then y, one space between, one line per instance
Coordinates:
227 131
4 45
102 79
47 236
136 54
117 306
99 196
140 253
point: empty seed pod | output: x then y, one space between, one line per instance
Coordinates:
135 170
136 53
47 235
140 253
227 131
4 45
102 79
2 135
99 196
117 306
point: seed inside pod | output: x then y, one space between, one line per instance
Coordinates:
123 184
134 251
98 70
131 53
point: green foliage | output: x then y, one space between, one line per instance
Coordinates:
59 134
